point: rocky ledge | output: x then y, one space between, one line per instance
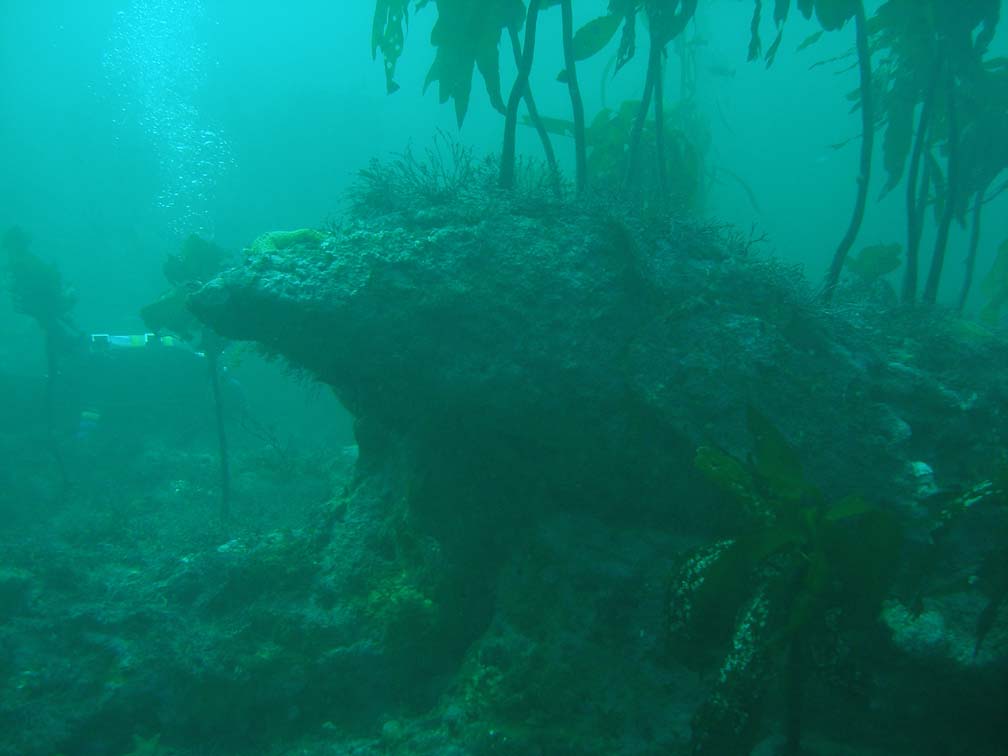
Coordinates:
585 340
531 383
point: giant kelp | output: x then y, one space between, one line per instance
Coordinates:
924 76
942 101
467 35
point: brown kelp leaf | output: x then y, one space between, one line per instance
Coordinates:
558 126
850 506
36 286
875 261
666 22
899 108
774 460
595 35
488 63
726 472
780 13
466 36
810 40
771 53
388 33
628 42
833 14
863 549
755 43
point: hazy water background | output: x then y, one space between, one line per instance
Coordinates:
126 124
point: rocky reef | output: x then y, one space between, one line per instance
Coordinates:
531 380
500 569
587 340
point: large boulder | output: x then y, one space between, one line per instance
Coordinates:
584 339
531 381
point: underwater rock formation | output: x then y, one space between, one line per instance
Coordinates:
587 337
501 570
531 382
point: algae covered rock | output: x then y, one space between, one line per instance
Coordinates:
608 336
279 241
531 383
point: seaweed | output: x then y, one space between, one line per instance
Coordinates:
196 262
38 291
466 38
36 286
876 261
679 182
801 571
925 78
941 101
995 286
